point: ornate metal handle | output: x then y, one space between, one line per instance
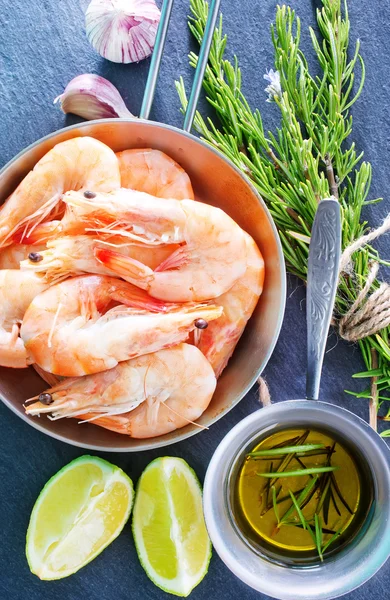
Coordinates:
322 278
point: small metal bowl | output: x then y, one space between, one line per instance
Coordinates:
339 574
216 181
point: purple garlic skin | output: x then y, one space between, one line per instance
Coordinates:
92 97
123 31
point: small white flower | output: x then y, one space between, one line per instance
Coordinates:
274 88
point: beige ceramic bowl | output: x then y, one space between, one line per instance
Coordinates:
216 181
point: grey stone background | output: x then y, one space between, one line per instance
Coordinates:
42 47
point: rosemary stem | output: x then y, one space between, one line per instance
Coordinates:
334 188
373 405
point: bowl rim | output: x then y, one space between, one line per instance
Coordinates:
185 434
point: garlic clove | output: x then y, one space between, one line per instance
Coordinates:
92 97
123 31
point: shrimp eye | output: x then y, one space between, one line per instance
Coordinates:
35 257
201 323
45 398
88 194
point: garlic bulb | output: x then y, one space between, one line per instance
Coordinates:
92 97
122 31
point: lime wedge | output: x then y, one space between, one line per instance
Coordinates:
168 526
81 510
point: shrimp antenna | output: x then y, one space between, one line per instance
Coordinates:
185 418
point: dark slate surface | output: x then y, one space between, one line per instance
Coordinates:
42 47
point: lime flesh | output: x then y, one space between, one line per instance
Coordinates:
81 510
168 526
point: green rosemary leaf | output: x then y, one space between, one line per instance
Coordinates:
332 539
286 450
300 514
318 535
371 373
312 534
300 472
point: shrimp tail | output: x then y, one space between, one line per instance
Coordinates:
177 259
134 271
138 298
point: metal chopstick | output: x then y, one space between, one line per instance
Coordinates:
202 63
156 59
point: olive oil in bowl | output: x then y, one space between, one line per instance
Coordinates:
298 496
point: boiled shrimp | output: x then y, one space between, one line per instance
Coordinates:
155 173
210 260
73 255
144 397
11 256
17 290
218 341
90 323
79 163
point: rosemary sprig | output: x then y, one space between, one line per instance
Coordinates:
320 478
307 157
298 473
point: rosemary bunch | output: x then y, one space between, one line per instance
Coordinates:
306 158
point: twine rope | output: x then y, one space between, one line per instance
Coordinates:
264 394
370 312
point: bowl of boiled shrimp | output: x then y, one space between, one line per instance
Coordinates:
142 284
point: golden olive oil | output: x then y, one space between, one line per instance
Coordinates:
331 484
